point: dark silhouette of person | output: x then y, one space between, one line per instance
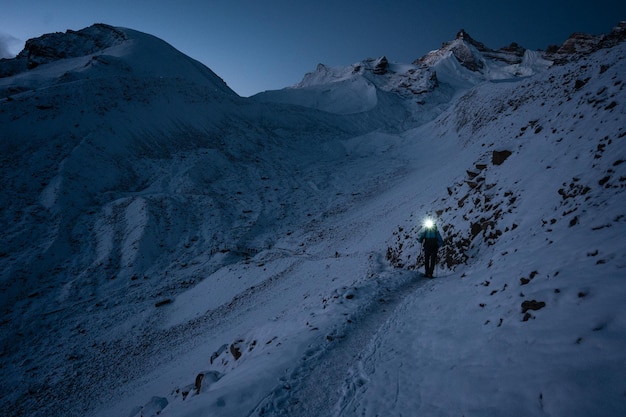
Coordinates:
431 239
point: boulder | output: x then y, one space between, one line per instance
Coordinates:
499 157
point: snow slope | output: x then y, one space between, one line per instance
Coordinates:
169 248
549 226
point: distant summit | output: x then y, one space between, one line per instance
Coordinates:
98 51
471 53
71 44
579 44
424 84
432 79
56 46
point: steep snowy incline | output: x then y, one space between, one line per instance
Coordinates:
534 325
129 175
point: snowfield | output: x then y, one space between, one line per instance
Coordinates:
169 248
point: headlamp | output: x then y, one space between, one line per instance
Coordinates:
429 223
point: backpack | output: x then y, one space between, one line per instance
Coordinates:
431 242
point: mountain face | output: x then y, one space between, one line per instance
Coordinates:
580 44
472 54
425 85
97 52
56 46
92 188
460 63
170 248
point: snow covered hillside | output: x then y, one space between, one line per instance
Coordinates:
169 248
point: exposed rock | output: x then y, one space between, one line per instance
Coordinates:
235 351
464 54
475 229
532 305
464 36
471 174
499 157
515 49
198 384
381 66
164 302
433 81
617 35
580 44
206 379
55 46
462 47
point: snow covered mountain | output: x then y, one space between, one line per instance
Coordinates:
424 85
169 248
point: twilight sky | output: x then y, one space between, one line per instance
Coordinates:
257 45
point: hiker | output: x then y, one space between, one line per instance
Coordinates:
432 241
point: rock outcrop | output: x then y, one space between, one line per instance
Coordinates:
55 46
580 44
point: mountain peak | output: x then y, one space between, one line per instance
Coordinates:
470 52
71 44
100 50
462 51
464 36
53 47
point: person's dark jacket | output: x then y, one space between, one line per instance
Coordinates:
431 238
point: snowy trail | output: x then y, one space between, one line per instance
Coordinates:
316 386
321 381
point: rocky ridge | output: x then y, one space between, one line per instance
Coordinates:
55 46
581 44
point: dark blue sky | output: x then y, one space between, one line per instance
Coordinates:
257 45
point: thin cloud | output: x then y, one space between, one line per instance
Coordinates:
8 45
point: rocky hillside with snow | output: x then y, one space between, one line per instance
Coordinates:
169 248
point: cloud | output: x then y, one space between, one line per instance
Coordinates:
8 45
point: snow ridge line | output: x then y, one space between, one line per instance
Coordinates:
316 386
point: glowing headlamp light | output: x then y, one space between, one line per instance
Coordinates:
429 223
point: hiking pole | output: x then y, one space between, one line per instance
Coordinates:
435 268
419 257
